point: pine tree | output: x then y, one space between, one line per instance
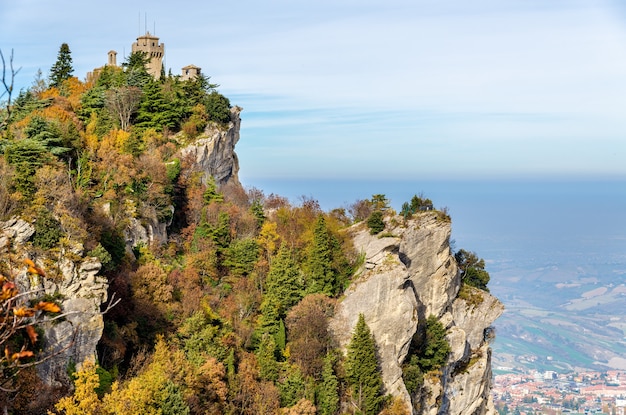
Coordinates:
173 402
62 69
328 395
362 370
435 348
283 289
321 276
284 282
266 356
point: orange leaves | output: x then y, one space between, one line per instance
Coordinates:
32 268
8 291
32 334
23 312
17 356
47 306
22 354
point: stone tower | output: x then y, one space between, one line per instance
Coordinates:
112 60
190 72
154 52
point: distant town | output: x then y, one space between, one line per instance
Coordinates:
552 393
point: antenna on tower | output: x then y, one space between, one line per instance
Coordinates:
145 22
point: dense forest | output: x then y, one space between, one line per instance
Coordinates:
229 315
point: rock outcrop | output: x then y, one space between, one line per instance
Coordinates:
408 275
213 155
73 281
214 151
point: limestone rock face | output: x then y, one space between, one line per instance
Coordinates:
471 317
83 292
468 391
71 279
16 231
425 249
214 151
408 275
389 307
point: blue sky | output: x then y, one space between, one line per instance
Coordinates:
376 89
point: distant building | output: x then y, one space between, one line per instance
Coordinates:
154 52
112 60
190 72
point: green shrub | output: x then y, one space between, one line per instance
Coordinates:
218 107
375 222
103 256
47 230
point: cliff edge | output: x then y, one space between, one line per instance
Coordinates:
409 274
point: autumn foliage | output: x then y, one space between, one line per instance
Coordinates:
226 312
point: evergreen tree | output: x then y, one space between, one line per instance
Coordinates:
211 194
321 276
155 110
256 208
136 69
173 402
292 387
328 394
284 281
283 289
217 107
472 269
27 156
375 222
241 256
47 134
435 348
62 69
266 356
362 370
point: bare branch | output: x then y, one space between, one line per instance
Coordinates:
8 84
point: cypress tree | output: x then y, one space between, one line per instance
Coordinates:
362 370
62 68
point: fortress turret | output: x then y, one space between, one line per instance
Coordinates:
154 52
190 72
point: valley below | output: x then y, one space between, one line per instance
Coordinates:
561 317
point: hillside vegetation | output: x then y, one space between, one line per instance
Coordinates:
228 311
229 314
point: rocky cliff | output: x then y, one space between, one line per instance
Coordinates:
408 275
214 151
213 155
72 280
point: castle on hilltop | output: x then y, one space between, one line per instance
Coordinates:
155 52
